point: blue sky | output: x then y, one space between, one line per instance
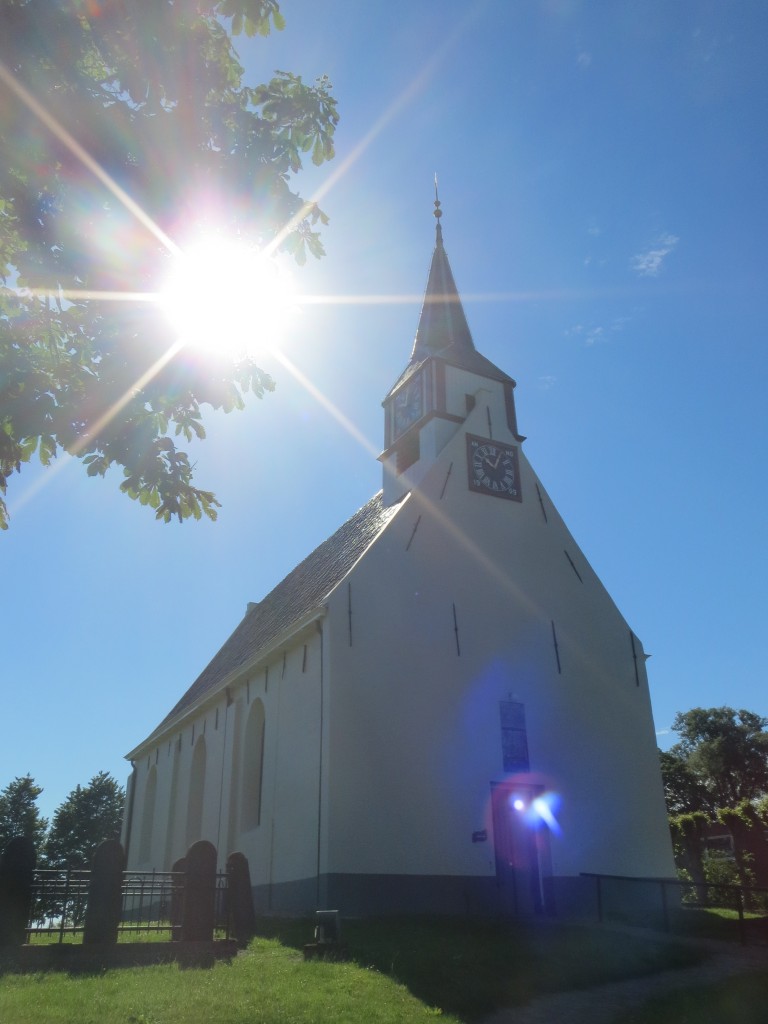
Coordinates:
602 176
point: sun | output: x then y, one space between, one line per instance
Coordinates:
227 296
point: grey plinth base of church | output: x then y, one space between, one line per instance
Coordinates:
440 708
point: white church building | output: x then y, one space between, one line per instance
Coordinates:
440 708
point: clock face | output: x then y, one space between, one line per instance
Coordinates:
408 405
493 468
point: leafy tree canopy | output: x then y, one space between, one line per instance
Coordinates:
124 124
19 813
88 816
720 760
684 791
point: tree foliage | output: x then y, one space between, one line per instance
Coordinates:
19 813
748 828
689 832
684 791
720 760
88 816
122 123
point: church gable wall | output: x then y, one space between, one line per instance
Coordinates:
465 602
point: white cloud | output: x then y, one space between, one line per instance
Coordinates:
547 381
648 264
584 59
595 333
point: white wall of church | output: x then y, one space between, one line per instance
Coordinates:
457 607
282 846
242 774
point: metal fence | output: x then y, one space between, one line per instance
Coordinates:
681 907
151 902
59 901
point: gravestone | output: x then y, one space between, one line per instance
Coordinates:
199 893
105 897
240 898
17 874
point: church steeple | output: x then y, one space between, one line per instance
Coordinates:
438 389
442 324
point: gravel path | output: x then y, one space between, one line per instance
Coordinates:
603 1004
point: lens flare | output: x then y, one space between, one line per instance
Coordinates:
226 295
537 812
544 808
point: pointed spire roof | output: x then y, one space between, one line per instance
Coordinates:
442 324
443 331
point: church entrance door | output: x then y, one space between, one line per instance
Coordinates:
521 845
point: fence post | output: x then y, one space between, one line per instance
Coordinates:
599 899
742 934
240 898
105 895
199 908
17 874
664 907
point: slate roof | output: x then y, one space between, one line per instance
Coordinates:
443 331
302 591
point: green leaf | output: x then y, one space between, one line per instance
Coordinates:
160 86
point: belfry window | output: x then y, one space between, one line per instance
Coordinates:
408 452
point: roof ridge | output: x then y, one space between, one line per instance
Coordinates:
305 587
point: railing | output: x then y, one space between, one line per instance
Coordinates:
151 901
679 907
92 919
59 901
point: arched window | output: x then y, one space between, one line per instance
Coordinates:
196 793
148 816
253 768
170 835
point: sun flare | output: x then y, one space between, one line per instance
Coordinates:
228 296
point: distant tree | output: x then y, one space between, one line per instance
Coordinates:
19 813
689 833
720 760
148 96
748 828
88 816
684 791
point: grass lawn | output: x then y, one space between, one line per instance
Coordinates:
742 1000
400 971
721 924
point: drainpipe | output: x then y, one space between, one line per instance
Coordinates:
320 766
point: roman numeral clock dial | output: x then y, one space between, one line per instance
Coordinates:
493 468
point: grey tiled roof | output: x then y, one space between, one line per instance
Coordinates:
443 331
303 590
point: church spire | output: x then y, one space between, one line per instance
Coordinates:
443 327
